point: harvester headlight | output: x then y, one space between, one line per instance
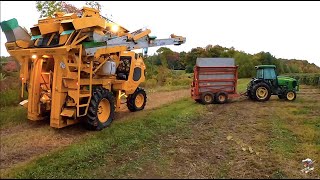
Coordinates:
34 56
114 28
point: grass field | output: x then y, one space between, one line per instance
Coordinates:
183 139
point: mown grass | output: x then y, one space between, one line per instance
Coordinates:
296 134
80 160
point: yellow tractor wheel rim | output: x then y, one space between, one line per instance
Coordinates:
139 100
290 96
103 110
222 98
208 98
262 92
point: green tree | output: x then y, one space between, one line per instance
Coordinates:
47 8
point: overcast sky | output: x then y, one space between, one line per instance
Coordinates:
285 29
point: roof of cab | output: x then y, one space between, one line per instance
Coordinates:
265 66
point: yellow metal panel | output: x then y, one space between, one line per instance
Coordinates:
86 22
23 44
58 97
109 50
34 90
63 39
142 34
87 12
49 27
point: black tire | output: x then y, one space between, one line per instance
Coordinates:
290 95
281 96
221 97
263 86
131 100
92 119
250 96
207 98
198 100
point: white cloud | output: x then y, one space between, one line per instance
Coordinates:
285 29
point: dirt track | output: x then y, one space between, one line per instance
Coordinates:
21 143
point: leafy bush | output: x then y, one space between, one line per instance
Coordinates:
308 79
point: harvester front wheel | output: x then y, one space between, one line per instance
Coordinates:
291 95
261 92
101 110
137 101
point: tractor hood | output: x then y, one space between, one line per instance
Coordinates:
289 82
285 78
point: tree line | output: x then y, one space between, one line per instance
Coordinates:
186 60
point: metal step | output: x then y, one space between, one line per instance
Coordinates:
68 112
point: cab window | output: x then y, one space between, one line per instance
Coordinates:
269 73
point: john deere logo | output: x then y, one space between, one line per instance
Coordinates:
62 65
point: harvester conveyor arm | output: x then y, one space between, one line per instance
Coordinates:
143 42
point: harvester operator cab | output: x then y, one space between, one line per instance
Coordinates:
123 69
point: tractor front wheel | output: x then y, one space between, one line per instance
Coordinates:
137 101
261 92
291 95
101 110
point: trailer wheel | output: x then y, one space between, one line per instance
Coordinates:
291 95
101 110
137 101
207 98
221 97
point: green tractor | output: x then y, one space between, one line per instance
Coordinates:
267 83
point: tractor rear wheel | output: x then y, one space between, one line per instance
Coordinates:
198 100
101 110
281 96
290 95
207 98
137 101
250 95
221 97
261 92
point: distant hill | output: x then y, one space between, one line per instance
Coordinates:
186 60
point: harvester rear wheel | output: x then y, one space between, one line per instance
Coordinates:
291 95
261 92
101 110
207 98
221 97
137 101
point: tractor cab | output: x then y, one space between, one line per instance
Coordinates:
268 73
